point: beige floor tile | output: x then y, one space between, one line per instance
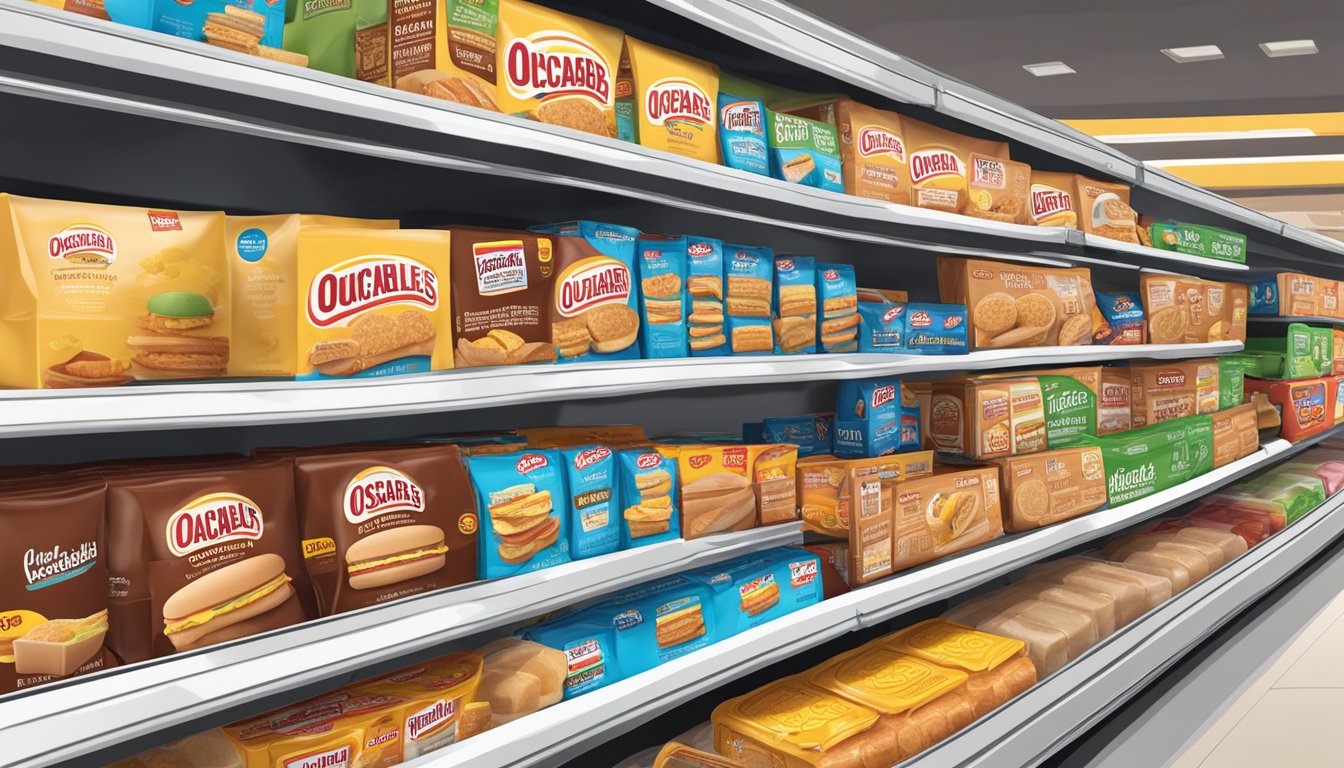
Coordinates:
1321 666
1297 728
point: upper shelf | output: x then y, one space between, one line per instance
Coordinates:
30 413
144 87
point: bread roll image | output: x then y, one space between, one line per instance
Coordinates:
715 503
520 678
228 603
394 555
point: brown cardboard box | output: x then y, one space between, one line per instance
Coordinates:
1172 389
985 418
826 493
873 152
998 189
1017 305
1234 434
1051 202
1188 310
1045 488
939 164
1103 209
1114 401
938 515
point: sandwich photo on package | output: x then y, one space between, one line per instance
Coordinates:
804 152
648 493
524 508
749 591
219 555
503 316
794 306
56 618
594 298
591 482
661 270
381 523
715 490
705 323
750 277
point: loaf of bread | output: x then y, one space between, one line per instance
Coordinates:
520 678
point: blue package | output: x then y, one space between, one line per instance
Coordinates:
936 329
750 272
870 419
805 152
646 481
753 432
188 19
838 320
881 327
742 134
524 512
704 286
1121 318
657 621
793 305
1265 297
751 590
591 480
589 644
812 434
662 297
594 266
911 435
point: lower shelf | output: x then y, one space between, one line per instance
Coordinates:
550 737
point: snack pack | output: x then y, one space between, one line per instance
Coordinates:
940 166
875 418
814 435
872 148
1118 318
591 482
662 265
242 26
647 486
750 277
742 140
997 189
666 100
1019 305
524 508
804 152
593 295
1052 200
935 329
749 591
504 315
837 298
704 291
1104 209
795 305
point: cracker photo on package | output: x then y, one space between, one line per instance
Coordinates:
838 304
795 305
706 321
750 273
593 297
662 292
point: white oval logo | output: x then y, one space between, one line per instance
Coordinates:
380 490
213 519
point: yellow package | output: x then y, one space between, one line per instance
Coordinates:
1051 203
435 696
716 489
952 645
263 264
351 726
885 680
789 723
375 302
939 164
102 295
666 100
825 491
556 68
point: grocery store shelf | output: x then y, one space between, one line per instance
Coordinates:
1158 255
1033 726
113 68
550 737
1276 320
83 716
27 413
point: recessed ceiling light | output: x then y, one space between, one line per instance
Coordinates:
1048 68
1289 48
1194 53
1158 138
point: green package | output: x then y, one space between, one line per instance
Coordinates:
1323 350
1302 353
1143 461
1199 240
1232 370
804 151
1295 492
1070 410
324 31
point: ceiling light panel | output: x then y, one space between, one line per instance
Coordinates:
1049 68
1289 48
1194 53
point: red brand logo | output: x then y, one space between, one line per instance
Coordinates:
892 314
591 456
380 490
529 462
162 221
552 65
697 462
329 758
83 244
884 395
785 265
735 457
698 250
932 163
354 287
879 141
213 519
742 116
1046 201
431 719
648 460
921 319
831 274
1123 304
675 98
804 572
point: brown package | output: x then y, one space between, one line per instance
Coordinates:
502 297
53 606
826 491
1014 305
946 513
1051 203
1103 209
203 554
384 523
1045 488
1170 390
1301 295
1188 310
872 148
1115 407
998 189
940 164
986 418
774 478
1235 434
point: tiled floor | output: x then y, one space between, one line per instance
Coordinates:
1290 716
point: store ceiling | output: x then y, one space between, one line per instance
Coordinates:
1121 74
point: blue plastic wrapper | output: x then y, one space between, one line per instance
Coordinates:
742 134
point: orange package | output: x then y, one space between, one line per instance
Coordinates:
939 163
1103 209
826 493
1051 201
